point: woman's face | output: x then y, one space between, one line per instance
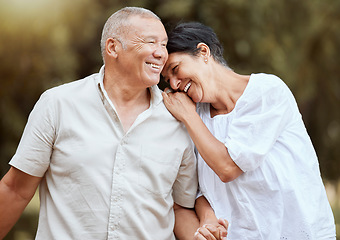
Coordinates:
184 72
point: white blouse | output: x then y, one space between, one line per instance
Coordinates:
280 195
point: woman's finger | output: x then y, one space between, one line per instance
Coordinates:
223 228
166 97
224 223
209 232
199 236
168 90
223 233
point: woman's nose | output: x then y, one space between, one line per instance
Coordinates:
174 83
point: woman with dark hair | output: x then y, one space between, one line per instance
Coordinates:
257 166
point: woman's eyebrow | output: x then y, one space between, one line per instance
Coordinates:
167 69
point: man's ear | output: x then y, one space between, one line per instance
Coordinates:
205 50
112 47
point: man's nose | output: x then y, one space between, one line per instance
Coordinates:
161 52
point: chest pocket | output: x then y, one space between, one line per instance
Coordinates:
158 169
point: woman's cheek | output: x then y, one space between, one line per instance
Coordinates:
194 95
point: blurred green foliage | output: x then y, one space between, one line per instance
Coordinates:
44 43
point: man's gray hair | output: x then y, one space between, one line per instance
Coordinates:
115 26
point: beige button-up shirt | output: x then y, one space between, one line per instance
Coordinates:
100 182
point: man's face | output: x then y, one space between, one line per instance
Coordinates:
145 54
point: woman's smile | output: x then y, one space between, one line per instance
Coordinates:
186 88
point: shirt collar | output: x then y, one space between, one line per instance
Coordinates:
100 82
156 95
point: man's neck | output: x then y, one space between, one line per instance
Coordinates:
129 101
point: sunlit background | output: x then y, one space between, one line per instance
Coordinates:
44 43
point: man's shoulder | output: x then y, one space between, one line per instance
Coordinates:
78 88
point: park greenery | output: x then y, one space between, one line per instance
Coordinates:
45 43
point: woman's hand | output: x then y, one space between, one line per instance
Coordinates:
212 231
179 104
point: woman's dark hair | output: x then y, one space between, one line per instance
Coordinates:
185 37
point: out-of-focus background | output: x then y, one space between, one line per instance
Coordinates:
44 43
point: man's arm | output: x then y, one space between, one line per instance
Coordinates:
186 222
16 191
188 226
209 223
204 211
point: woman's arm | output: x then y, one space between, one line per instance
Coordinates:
214 152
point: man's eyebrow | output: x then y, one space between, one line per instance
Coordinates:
155 38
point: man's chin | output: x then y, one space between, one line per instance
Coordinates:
153 80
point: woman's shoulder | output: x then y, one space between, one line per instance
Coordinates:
266 81
262 84
263 88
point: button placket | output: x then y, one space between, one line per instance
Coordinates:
117 198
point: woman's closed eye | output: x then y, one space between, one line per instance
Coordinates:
174 69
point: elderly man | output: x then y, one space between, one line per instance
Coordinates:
109 159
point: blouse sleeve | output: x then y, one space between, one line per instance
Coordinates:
35 147
260 117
